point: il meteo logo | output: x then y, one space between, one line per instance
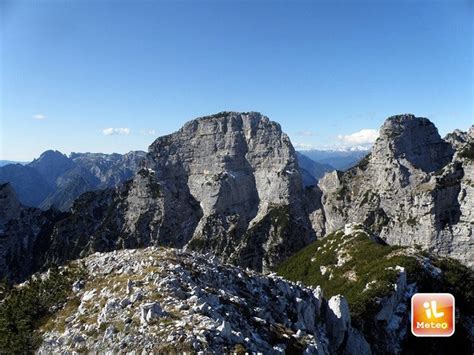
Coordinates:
432 314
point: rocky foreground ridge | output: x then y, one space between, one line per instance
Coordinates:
166 300
169 300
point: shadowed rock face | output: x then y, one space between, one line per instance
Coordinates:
24 234
414 188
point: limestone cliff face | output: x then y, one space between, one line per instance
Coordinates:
414 188
242 172
227 184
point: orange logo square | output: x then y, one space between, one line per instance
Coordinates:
432 314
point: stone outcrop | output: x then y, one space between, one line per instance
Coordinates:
166 300
414 188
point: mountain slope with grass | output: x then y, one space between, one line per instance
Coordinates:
378 281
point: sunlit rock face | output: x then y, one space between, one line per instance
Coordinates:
414 188
227 184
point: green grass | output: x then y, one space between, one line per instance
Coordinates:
364 162
370 261
468 152
24 309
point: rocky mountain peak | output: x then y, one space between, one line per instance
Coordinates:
237 167
244 156
414 140
458 138
51 164
50 157
413 189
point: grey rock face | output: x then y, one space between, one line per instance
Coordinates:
227 184
412 189
338 319
243 172
343 338
414 141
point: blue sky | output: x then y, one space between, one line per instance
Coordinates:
134 70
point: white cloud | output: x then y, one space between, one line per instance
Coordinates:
39 116
364 136
306 133
116 131
148 132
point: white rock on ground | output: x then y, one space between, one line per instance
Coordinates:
190 302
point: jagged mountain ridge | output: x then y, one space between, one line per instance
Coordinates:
413 189
55 180
230 184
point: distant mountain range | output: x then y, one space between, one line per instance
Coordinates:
311 171
337 159
7 162
56 180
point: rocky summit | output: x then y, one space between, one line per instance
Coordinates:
165 300
414 188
